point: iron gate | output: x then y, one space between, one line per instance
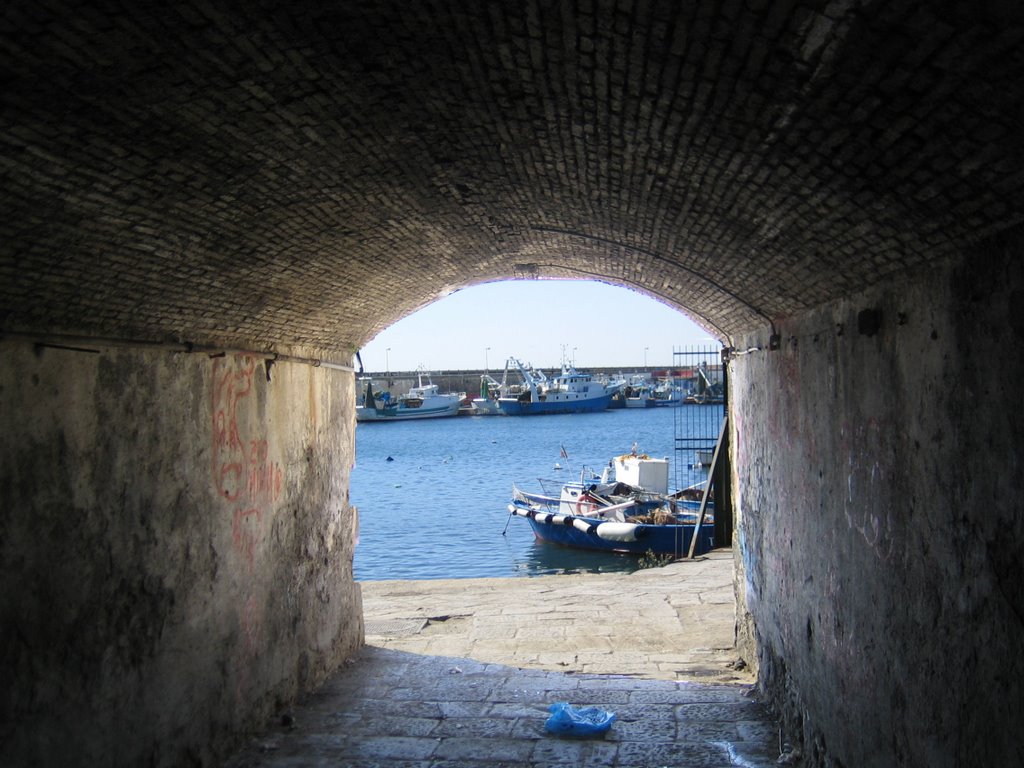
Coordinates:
700 377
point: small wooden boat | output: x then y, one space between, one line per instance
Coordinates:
631 514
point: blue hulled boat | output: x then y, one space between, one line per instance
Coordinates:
631 514
568 392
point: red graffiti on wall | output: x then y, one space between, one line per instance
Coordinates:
245 525
245 477
250 626
264 478
229 455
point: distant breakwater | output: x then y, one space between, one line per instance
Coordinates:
468 381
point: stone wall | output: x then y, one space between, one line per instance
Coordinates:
879 476
176 546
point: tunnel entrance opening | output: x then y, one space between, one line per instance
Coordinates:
420 486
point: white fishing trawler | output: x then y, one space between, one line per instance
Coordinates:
421 402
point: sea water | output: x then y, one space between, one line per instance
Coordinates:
433 495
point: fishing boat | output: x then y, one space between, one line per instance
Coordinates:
708 392
568 392
490 390
666 394
627 509
424 401
639 395
617 384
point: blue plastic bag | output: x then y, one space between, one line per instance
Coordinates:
587 721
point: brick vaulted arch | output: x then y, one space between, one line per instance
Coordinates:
307 174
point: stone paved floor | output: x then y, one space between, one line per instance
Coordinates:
395 709
671 623
460 674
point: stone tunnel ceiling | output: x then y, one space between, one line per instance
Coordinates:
298 175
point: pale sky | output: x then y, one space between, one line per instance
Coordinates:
539 322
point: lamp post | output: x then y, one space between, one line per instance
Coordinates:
487 366
387 361
645 358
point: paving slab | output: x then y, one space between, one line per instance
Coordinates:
674 622
620 645
397 709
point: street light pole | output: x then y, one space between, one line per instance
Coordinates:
645 358
487 366
387 361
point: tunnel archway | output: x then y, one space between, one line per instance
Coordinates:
202 210
241 172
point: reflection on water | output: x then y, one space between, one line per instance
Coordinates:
543 558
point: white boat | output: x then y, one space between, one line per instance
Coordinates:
665 393
421 402
490 390
568 392
639 395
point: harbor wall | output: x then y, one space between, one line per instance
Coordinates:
176 548
468 381
879 464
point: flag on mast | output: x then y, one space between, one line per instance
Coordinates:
563 454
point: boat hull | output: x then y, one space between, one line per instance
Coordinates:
583 533
640 402
485 406
667 402
511 406
424 401
406 414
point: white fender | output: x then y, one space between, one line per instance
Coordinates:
558 519
543 517
617 531
581 525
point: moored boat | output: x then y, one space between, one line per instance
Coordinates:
666 394
632 513
424 401
490 390
707 391
568 392
639 396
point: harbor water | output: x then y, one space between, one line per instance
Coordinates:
432 495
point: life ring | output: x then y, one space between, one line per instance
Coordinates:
585 499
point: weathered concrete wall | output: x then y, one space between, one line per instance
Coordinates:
176 549
881 536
